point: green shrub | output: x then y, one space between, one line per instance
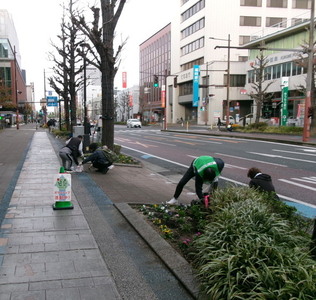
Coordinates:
260 126
61 133
249 251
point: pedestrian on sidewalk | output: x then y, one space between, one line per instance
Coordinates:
219 123
260 181
99 159
206 170
69 154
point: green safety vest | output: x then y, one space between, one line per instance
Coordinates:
203 162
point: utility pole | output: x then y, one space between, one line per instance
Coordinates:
16 91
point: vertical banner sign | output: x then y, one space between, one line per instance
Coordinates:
285 93
196 81
130 100
163 96
124 80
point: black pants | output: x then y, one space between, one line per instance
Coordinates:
189 174
101 167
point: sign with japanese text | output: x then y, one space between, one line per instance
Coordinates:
285 100
196 80
62 187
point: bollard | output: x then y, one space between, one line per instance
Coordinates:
62 190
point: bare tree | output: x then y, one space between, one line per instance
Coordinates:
260 95
123 103
106 60
65 80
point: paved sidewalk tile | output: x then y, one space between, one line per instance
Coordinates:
46 253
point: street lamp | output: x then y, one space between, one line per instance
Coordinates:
228 75
86 125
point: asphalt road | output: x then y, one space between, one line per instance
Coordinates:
292 167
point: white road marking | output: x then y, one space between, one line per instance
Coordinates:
284 157
260 161
299 153
298 184
305 179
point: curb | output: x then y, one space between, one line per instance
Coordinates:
172 259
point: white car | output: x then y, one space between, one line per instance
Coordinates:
133 123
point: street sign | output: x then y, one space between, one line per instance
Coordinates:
52 101
285 92
196 79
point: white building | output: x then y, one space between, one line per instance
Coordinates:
197 28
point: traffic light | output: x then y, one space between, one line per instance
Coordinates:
175 81
156 83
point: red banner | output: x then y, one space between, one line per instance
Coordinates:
130 100
124 80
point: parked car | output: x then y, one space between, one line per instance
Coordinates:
133 123
231 120
250 119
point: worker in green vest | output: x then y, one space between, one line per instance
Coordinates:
205 169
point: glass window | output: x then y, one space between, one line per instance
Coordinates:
296 69
303 4
276 22
244 39
236 80
251 76
250 21
277 3
257 3
286 69
268 73
276 71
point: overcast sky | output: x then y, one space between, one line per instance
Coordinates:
37 23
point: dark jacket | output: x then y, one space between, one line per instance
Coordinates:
98 157
73 145
262 182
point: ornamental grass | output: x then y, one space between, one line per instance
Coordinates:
245 245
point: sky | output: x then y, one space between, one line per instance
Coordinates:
37 23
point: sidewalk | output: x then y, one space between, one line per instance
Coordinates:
45 253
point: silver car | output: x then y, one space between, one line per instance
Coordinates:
133 123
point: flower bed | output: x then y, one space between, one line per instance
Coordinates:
246 245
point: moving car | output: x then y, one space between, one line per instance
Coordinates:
133 123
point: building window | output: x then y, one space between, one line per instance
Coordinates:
186 88
302 4
193 28
251 76
296 69
286 69
236 80
189 65
257 3
276 22
268 73
277 3
193 10
276 71
195 45
250 21
242 58
244 39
